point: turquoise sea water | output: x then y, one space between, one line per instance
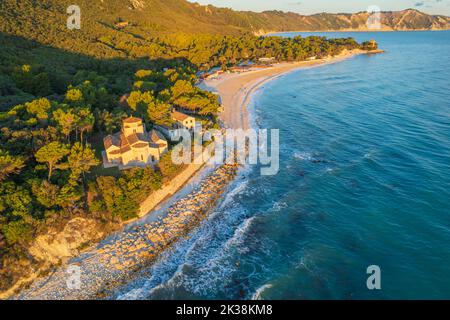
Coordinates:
364 180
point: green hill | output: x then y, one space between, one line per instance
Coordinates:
60 91
140 28
46 19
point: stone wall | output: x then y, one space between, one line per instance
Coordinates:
175 184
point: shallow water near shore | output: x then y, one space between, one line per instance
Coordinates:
364 180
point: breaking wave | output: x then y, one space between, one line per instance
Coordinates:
258 295
196 266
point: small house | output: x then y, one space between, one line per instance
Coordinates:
183 120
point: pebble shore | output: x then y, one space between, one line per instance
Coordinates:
114 261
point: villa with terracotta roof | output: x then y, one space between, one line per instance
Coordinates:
134 146
183 120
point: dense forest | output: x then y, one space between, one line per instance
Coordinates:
144 18
60 94
189 52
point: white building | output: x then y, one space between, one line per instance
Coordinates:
134 146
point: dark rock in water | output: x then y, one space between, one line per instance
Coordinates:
319 161
354 183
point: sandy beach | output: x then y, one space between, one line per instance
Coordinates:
236 89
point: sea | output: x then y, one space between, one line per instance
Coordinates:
364 181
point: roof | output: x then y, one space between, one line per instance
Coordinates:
155 136
267 59
108 142
137 138
140 145
125 149
116 152
123 140
111 141
132 120
132 139
124 144
179 116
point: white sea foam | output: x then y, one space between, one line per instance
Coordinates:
260 291
304 156
202 262
239 234
240 187
368 155
279 205
305 264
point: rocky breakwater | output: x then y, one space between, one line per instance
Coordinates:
114 261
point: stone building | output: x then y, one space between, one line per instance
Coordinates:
134 146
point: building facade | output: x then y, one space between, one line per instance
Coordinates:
134 146
184 120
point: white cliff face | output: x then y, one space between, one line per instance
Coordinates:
111 263
56 247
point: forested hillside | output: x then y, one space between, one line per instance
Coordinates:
150 32
53 68
145 18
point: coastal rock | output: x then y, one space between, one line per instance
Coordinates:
116 261
55 247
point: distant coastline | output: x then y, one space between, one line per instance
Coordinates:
236 90
275 33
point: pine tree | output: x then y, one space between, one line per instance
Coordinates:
51 154
81 160
9 164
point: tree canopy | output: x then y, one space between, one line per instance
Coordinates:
51 154
59 96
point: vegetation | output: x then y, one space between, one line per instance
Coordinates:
49 170
62 91
369 45
142 19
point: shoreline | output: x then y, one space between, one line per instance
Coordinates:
277 33
237 90
117 260
114 261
